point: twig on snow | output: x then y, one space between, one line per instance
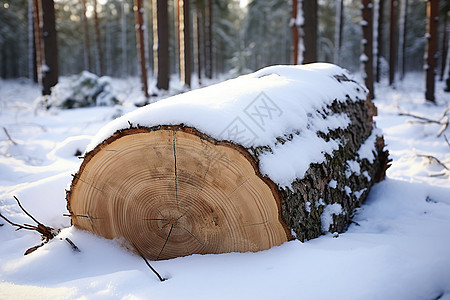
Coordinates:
148 264
47 233
9 137
445 137
431 157
444 120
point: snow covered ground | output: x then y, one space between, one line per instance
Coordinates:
397 248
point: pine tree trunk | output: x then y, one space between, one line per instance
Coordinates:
402 42
338 31
209 40
367 44
444 46
380 41
198 43
393 42
98 42
294 32
37 39
161 39
123 33
87 47
140 45
310 31
184 42
50 69
172 190
431 52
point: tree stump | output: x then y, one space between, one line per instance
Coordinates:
171 190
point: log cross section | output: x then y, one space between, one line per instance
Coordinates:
172 191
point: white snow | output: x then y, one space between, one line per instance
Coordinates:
327 215
366 151
399 248
332 184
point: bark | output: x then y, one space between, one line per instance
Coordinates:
98 41
37 39
338 31
50 69
87 46
294 32
444 46
380 42
431 51
209 40
123 33
184 42
310 31
161 41
198 43
402 42
393 42
367 44
140 44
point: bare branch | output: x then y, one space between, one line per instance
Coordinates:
27 213
445 137
25 226
427 120
148 264
9 137
430 157
74 247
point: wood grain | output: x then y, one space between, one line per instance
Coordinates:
174 192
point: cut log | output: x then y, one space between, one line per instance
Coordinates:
196 176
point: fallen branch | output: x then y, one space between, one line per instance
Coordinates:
9 137
148 264
444 120
47 233
431 157
445 137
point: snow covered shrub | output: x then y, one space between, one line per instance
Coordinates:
82 90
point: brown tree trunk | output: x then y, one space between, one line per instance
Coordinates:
294 32
393 41
380 40
172 190
431 52
37 39
208 40
98 41
198 43
50 67
310 30
367 44
184 42
404 34
87 47
338 31
140 44
161 39
444 46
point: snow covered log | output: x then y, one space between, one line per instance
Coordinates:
286 152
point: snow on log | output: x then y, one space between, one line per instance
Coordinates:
286 152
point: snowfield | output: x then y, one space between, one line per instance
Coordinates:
398 246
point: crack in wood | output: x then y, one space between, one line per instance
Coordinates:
84 181
176 175
165 243
193 236
239 186
261 223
